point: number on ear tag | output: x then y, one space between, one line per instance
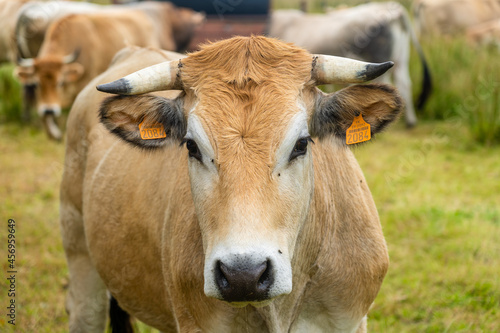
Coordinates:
153 131
358 132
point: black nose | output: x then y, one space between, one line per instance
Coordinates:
244 281
49 112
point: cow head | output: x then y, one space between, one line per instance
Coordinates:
53 76
248 115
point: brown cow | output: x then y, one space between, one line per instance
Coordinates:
264 223
174 26
76 49
452 17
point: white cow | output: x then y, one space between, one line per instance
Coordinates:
373 32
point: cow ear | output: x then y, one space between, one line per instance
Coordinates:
145 121
73 72
25 75
379 104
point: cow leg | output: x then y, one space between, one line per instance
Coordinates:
403 82
28 100
87 301
362 326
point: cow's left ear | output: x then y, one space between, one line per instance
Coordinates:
379 104
145 121
26 75
73 72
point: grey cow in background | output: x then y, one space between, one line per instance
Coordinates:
374 32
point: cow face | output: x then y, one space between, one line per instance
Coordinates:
53 77
248 124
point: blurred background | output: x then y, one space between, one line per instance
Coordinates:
435 176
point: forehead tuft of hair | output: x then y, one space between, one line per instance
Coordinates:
239 60
248 90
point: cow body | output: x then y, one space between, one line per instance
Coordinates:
452 17
487 33
371 32
167 231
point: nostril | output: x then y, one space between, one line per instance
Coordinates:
219 275
265 279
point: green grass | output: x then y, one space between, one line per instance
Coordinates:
437 196
10 95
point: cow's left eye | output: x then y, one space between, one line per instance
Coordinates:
193 149
300 148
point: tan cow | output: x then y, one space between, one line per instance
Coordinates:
76 49
261 221
452 17
175 25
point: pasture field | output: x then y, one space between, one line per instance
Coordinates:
437 189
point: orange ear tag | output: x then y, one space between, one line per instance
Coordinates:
154 131
358 132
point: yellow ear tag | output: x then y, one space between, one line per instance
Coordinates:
154 131
358 132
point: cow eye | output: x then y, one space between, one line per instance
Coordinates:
193 149
300 148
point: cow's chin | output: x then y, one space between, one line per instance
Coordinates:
259 304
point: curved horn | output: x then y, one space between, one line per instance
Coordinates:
330 69
25 62
71 57
162 76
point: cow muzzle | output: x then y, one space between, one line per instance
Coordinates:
49 114
247 278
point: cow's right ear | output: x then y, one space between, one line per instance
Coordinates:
145 121
26 75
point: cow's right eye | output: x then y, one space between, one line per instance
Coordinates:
193 149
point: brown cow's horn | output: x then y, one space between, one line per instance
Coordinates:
162 76
71 57
25 62
330 69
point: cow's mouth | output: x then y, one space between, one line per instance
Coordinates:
49 121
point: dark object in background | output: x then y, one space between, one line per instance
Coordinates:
229 7
228 18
